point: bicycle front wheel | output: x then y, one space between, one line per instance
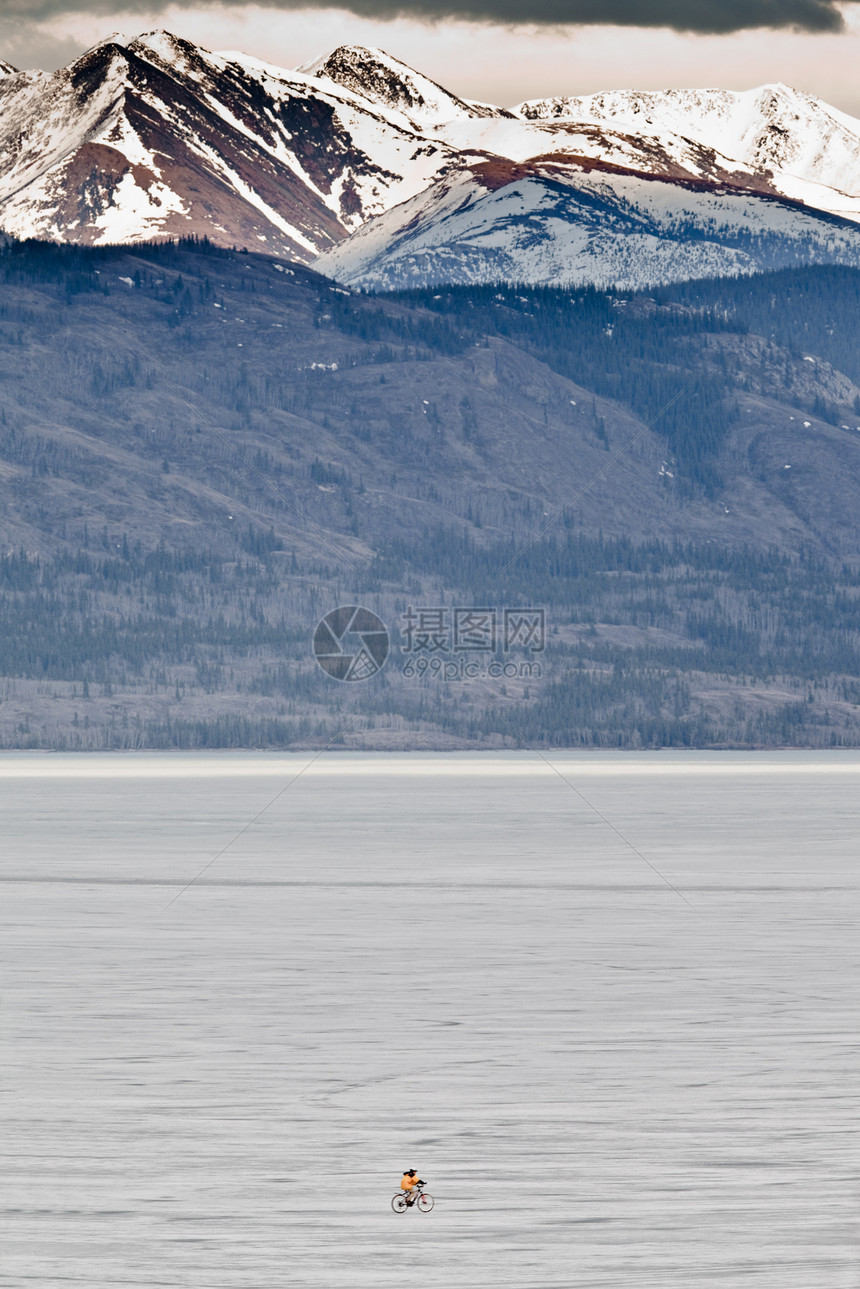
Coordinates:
399 1203
424 1203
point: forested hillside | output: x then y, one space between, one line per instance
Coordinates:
202 452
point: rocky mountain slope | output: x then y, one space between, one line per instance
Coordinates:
158 137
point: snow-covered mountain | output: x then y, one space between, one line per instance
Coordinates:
810 150
155 137
575 222
375 75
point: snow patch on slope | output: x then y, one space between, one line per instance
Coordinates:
136 211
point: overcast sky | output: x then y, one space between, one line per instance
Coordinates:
568 46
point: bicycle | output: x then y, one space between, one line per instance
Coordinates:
423 1203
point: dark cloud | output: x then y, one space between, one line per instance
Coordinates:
703 16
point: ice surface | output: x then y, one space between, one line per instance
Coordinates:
444 962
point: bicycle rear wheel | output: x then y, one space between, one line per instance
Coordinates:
425 1202
399 1203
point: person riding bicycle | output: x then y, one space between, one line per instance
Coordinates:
409 1183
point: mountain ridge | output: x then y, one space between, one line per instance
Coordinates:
156 136
247 156
770 129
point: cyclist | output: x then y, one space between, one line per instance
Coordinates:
409 1182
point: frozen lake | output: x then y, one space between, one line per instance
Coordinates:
446 962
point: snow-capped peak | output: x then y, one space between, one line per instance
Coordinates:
373 74
115 38
6 69
164 46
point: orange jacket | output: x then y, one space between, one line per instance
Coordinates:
408 1182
